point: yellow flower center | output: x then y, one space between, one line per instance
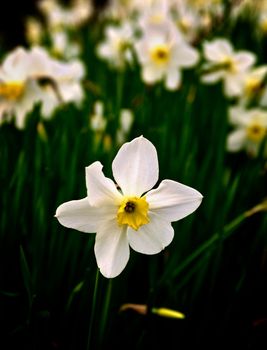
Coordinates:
133 212
256 132
263 26
160 54
12 91
184 24
230 65
252 86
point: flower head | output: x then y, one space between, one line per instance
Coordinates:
116 46
251 129
163 53
227 65
133 215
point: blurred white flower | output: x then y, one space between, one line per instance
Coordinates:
18 92
188 19
29 77
62 46
116 47
162 54
250 130
227 65
34 31
58 16
130 216
126 119
98 122
60 82
155 16
253 85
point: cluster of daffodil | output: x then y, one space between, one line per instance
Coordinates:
28 77
161 37
59 28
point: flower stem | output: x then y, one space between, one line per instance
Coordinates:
105 311
93 310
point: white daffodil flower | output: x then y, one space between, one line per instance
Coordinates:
227 65
250 129
133 215
98 122
253 86
18 93
162 54
28 77
61 82
116 46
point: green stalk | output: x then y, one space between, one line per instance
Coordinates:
105 311
93 310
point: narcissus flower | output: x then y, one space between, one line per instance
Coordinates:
131 216
227 65
163 54
251 129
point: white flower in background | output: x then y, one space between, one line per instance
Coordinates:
156 16
187 19
58 16
62 46
253 84
29 77
34 31
250 129
126 119
98 122
18 93
116 47
162 54
133 215
60 82
124 9
227 65
214 7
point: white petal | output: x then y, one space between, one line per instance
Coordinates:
236 115
135 167
186 56
152 237
173 79
80 216
216 50
16 65
233 85
236 140
211 78
173 200
100 189
151 74
245 60
111 249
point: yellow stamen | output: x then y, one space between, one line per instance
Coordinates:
184 24
164 312
230 65
263 26
256 131
252 86
133 212
160 54
12 91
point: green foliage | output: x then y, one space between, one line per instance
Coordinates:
212 271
